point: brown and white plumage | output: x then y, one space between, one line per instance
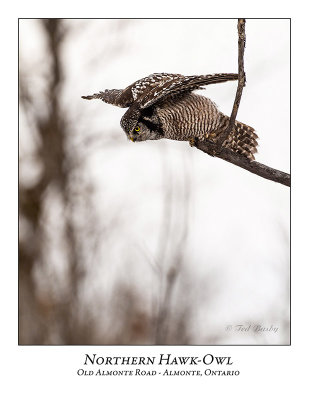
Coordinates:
163 106
195 116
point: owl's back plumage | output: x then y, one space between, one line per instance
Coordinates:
163 106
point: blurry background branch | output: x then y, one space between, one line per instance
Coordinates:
61 234
56 173
217 149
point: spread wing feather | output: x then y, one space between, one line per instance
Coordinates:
180 84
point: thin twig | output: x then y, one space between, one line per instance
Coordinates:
217 149
241 82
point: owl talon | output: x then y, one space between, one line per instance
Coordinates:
192 141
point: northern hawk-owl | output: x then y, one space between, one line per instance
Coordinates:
163 106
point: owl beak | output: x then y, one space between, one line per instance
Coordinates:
131 138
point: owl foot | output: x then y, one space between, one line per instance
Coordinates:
192 141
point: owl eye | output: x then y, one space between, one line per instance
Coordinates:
137 129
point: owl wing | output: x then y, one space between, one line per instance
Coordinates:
134 92
110 96
178 84
141 88
156 87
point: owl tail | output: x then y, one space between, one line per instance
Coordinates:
242 140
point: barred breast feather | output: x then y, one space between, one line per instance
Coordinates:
194 116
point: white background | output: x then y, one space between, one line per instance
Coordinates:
48 372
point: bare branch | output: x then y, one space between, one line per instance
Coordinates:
217 149
253 166
241 82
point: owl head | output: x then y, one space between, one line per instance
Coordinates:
145 130
139 125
